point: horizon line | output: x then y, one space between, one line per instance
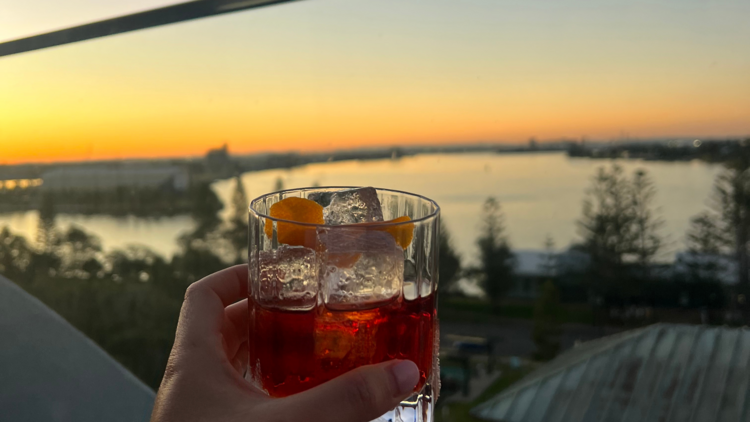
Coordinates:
465 144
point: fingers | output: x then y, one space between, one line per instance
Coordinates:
239 360
202 315
238 313
229 285
360 395
235 326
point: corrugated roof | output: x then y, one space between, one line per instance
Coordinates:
663 372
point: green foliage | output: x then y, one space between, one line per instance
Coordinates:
449 262
707 236
47 235
133 321
547 327
80 253
621 231
647 223
607 218
237 228
16 256
208 243
724 229
204 207
128 300
496 258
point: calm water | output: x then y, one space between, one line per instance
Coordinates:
541 195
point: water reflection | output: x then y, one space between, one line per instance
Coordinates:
541 193
159 233
541 196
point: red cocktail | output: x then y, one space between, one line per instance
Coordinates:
341 278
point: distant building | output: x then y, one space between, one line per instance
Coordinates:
219 163
663 372
533 268
99 179
720 268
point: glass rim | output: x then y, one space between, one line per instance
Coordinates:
433 214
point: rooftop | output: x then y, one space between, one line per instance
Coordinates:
50 371
663 372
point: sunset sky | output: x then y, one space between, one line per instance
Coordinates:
328 74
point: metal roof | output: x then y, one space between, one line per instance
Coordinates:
50 371
663 372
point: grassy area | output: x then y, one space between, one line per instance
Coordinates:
463 309
459 412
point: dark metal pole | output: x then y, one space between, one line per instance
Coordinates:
162 16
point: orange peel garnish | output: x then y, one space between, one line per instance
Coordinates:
303 210
403 233
300 210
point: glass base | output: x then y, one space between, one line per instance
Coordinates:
417 408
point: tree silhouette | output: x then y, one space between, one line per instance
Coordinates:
80 253
279 184
732 200
204 207
48 239
724 229
621 231
449 261
647 241
496 258
47 234
605 225
706 236
237 230
16 255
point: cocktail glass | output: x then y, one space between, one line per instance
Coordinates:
342 277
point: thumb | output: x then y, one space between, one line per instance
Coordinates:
362 394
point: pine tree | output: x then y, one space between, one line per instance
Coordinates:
449 261
647 224
621 230
724 229
47 236
237 231
496 259
706 236
47 261
607 218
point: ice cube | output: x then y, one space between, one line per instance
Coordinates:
323 198
360 268
353 206
288 278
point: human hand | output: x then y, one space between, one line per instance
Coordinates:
203 380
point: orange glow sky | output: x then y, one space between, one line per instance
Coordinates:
328 74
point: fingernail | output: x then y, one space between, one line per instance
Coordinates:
406 375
